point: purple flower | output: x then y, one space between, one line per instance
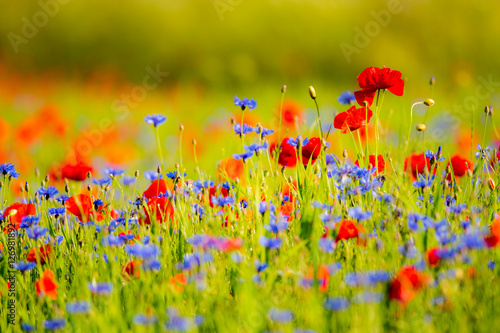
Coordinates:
155 119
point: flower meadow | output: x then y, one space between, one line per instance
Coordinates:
281 234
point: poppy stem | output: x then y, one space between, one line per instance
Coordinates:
157 134
409 129
319 119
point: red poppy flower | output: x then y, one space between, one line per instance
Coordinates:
493 239
417 163
46 284
15 213
352 119
76 172
373 79
157 187
311 151
44 253
178 281
83 208
372 164
291 114
406 284
460 165
349 229
322 276
433 257
157 209
132 269
288 154
232 169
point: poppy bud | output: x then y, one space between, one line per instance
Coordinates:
266 173
42 183
283 89
432 80
194 142
27 187
429 102
158 170
21 187
344 153
111 176
89 174
37 172
491 184
312 92
421 127
365 104
66 188
177 166
89 188
323 143
136 173
181 127
233 121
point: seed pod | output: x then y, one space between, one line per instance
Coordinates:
421 127
429 102
312 92
491 184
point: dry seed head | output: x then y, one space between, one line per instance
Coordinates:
312 92
421 127
429 102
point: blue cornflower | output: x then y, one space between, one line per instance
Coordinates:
483 152
423 182
152 175
255 147
236 257
8 169
280 315
246 128
265 132
27 327
128 180
456 209
358 214
327 245
47 192
56 241
176 323
271 243
174 175
367 278
112 240
29 220
194 260
114 172
62 198
243 156
36 232
294 142
142 319
56 211
151 265
54 324
491 265
24 266
78 307
147 252
331 159
434 156
415 218
408 250
245 103
336 303
222 201
276 226
262 207
155 119
346 98
260 266
101 182
101 288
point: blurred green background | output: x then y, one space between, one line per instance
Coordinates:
84 55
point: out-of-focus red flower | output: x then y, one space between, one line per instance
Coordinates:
311 151
372 164
493 239
232 169
229 245
15 213
157 209
157 187
288 154
349 229
76 171
406 284
322 276
417 163
460 165
132 269
178 282
371 133
46 285
352 119
433 257
44 253
292 114
82 206
373 79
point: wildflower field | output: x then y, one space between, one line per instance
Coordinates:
181 204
